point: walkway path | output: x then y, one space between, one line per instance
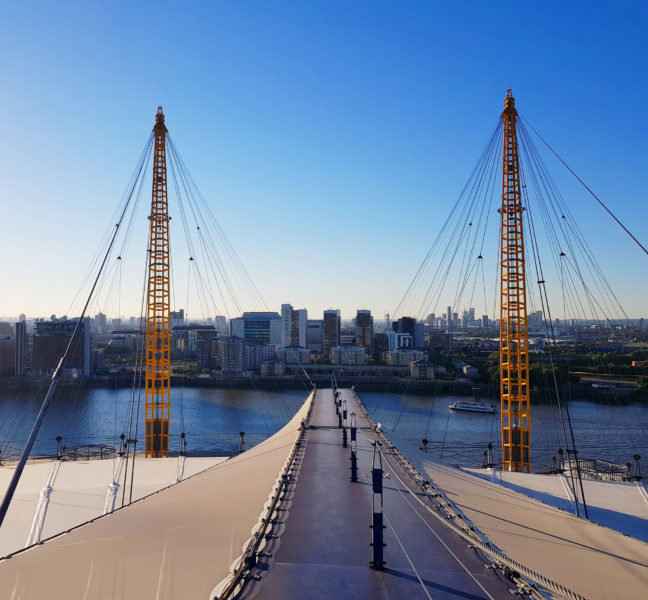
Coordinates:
324 551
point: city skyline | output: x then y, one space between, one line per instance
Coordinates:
335 164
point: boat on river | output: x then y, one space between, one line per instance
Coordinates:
479 407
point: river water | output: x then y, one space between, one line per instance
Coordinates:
213 418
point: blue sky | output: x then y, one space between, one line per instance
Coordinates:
330 138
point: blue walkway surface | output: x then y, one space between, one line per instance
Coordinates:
322 549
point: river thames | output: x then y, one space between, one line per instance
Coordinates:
213 419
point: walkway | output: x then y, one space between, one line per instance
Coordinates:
324 551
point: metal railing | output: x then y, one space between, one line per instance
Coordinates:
460 524
248 559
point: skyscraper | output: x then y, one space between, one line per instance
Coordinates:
293 326
257 327
314 335
331 324
364 329
21 346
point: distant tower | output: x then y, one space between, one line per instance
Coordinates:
364 329
331 326
21 345
514 337
158 318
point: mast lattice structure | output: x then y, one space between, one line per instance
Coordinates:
158 318
514 336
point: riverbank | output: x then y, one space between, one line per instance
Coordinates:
363 383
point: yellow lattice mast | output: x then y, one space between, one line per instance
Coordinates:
514 337
158 320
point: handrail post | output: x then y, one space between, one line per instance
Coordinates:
377 527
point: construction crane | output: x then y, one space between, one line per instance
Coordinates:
158 318
514 337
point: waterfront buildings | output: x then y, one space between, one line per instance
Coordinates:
20 348
294 355
422 370
331 331
7 355
294 324
349 355
51 339
364 329
229 355
205 351
177 318
404 356
220 324
258 327
314 335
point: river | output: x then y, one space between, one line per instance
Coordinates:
213 418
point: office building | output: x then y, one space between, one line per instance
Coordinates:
7 356
229 355
314 335
20 348
439 340
257 327
331 326
177 318
349 355
205 337
364 329
404 356
294 325
100 323
51 339
220 324
294 355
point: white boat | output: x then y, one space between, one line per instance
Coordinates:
472 407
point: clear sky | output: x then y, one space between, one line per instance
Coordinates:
330 138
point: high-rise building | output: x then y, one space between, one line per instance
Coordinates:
349 355
220 323
7 355
257 327
314 335
331 325
380 344
408 325
21 348
535 320
177 318
294 324
204 345
100 323
51 339
230 355
364 329
439 339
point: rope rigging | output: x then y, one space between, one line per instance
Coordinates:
634 239
567 274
